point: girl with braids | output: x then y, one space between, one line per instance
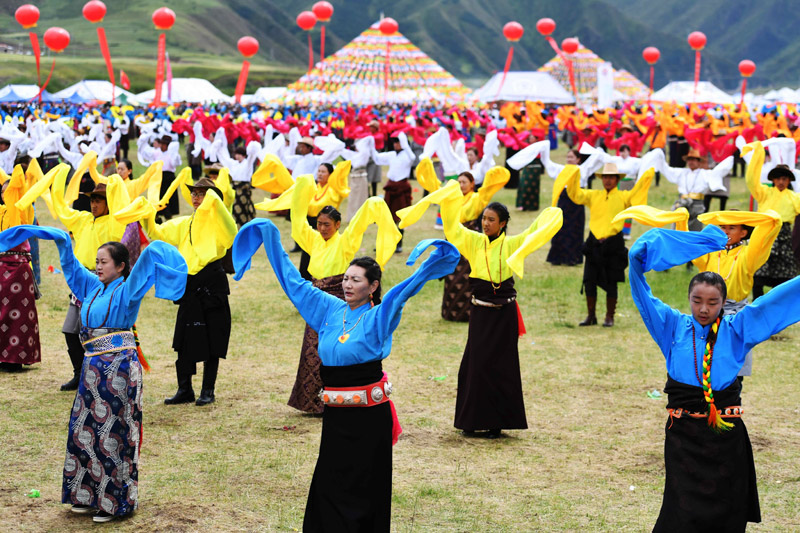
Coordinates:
710 476
352 485
105 425
489 383
329 255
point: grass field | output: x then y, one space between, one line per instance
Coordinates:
592 459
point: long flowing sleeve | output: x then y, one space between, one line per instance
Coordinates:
541 231
753 173
660 249
302 232
441 262
162 266
272 176
311 302
638 195
652 216
374 210
768 314
411 214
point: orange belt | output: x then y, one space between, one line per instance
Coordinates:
362 396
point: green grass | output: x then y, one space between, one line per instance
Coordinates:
593 433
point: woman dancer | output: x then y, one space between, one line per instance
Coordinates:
352 485
105 425
330 253
710 476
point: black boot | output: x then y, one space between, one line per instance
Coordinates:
591 317
611 307
210 369
399 249
11 367
185 392
76 353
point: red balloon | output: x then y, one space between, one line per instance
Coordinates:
570 45
697 40
56 39
747 68
651 55
163 18
248 46
94 11
306 20
388 26
546 26
27 15
323 11
513 31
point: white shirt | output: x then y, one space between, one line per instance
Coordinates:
399 163
696 181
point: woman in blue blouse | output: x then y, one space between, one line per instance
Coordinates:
105 426
352 485
710 475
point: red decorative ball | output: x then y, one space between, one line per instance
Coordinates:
323 11
697 40
306 20
94 11
388 26
747 68
570 45
56 39
651 55
27 15
513 31
248 46
164 18
546 26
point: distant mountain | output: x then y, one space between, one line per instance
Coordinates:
464 36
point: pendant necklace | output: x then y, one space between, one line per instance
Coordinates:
346 332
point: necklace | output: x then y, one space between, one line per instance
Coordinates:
321 194
499 264
694 353
108 311
346 332
719 262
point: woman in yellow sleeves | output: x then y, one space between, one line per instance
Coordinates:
456 297
781 265
489 383
203 323
330 254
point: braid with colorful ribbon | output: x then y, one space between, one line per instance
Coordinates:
715 420
139 352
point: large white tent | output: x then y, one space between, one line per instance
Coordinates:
521 86
94 91
19 93
264 95
194 90
682 92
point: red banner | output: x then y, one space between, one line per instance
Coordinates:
696 72
322 44
101 36
37 53
744 88
162 50
652 73
505 70
240 85
310 54
124 81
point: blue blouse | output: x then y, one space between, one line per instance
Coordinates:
370 329
660 249
160 264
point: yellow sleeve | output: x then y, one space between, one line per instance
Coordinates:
495 179
302 232
88 163
411 214
638 195
462 238
426 176
541 231
338 180
753 174
567 173
37 185
14 191
272 176
181 181
373 210
766 224
213 229
574 190
651 216
224 184
150 181
68 216
282 202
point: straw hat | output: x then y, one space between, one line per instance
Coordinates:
307 140
610 169
211 169
693 154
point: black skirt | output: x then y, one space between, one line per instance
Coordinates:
489 384
566 246
710 478
173 207
605 261
351 490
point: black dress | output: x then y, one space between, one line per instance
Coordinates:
566 247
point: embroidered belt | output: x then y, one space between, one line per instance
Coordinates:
735 411
9 254
112 342
482 303
363 396
693 196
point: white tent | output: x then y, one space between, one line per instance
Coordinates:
195 90
264 95
16 93
520 86
93 91
784 94
682 92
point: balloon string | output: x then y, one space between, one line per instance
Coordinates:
744 88
162 49
505 70
652 72
310 54
37 54
101 37
322 44
242 83
41 90
696 73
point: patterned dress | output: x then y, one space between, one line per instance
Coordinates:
19 322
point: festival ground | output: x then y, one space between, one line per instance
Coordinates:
592 459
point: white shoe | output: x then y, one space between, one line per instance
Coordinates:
103 516
438 226
82 509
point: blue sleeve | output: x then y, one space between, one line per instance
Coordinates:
80 281
312 303
161 265
768 315
660 249
442 261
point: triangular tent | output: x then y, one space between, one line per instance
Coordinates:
356 74
584 64
91 91
683 92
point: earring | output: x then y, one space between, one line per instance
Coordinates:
371 303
